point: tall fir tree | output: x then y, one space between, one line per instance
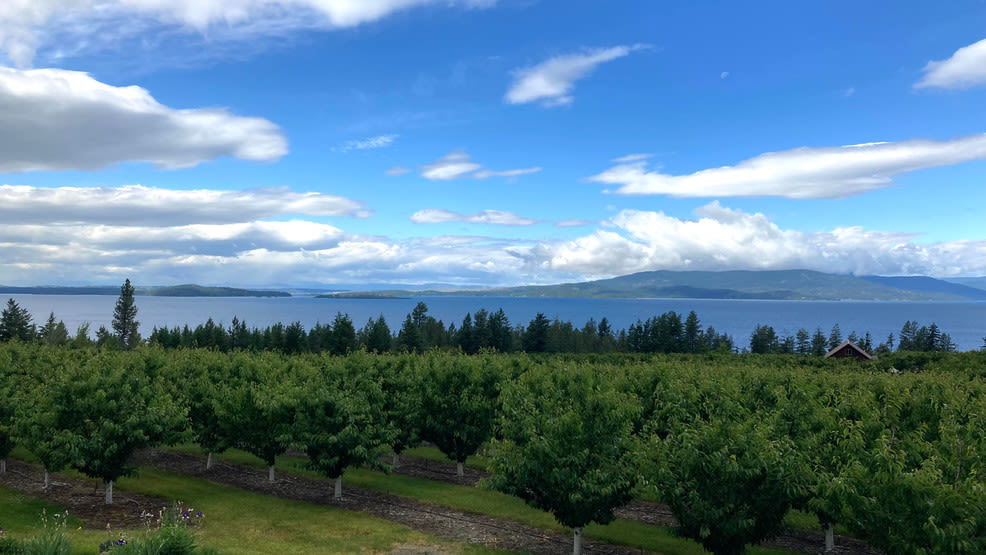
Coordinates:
125 322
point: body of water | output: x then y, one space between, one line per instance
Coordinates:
965 322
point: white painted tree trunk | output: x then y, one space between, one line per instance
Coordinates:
3 466
47 479
208 461
458 469
577 542
109 492
830 538
397 460
338 493
270 473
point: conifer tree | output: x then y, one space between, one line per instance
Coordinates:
125 322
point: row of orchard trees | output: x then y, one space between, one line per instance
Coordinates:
731 444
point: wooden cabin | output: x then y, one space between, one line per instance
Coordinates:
848 349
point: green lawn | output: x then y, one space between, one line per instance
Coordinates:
482 501
243 522
236 522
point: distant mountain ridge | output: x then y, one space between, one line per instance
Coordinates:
929 285
736 284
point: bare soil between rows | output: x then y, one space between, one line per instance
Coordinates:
85 501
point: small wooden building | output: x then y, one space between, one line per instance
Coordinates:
848 349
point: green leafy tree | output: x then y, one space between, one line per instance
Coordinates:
567 445
729 483
8 405
41 421
125 324
339 420
459 403
16 323
256 409
402 400
112 409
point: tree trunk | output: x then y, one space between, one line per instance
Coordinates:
47 479
458 469
208 461
577 542
109 492
397 461
338 492
830 538
270 473
3 466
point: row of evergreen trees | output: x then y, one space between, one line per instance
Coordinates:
478 331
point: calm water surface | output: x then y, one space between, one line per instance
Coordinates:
964 321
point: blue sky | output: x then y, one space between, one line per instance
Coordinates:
340 143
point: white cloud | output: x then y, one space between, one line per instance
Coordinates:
802 173
725 239
68 120
26 24
486 174
301 252
551 82
397 170
455 165
144 206
451 166
575 223
632 158
367 144
493 217
964 69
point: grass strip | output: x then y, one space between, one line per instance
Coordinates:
658 539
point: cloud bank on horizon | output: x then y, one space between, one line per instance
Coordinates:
314 157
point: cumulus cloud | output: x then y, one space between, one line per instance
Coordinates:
801 173
301 252
494 217
455 165
57 120
146 206
551 82
25 24
725 239
966 68
366 144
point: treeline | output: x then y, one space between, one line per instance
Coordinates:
730 444
479 331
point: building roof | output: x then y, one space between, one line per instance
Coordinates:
853 349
